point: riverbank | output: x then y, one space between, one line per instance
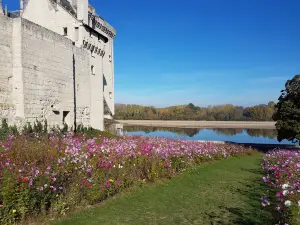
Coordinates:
201 124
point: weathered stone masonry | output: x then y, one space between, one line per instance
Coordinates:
7 109
47 60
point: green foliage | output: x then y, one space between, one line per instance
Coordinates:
65 128
90 132
45 129
191 112
4 124
287 116
27 129
38 127
7 130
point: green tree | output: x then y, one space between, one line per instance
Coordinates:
287 115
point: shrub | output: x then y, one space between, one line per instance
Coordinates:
6 130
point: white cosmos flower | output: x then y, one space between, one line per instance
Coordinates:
287 203
285 192
285 186
120 166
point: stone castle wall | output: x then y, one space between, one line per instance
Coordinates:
38 72
50 64
7 108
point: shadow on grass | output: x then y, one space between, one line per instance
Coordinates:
251 213
253 191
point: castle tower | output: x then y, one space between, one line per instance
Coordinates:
82 10
21 5
1 9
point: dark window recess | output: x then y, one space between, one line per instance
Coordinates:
104 82
76 33
102 38
65 31
65 114
56 112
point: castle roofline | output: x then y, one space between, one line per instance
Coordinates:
100 25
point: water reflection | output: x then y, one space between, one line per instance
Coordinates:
191 132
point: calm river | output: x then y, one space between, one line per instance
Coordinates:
260 136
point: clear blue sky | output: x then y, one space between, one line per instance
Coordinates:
202 51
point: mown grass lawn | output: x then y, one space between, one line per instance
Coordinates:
223 192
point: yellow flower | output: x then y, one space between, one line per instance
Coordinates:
111 180
14 211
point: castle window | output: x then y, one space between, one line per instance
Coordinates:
76 33
93 70
65 117
65 31
92 51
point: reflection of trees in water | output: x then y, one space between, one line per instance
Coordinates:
268 133
191 132
228 131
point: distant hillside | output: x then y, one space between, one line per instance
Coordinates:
226 112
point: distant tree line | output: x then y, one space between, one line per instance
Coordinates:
228 112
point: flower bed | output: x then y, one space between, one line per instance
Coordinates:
282 169
51 174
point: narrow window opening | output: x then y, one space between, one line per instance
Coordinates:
92 51
93 70
76 33
104 83
65 31
65 115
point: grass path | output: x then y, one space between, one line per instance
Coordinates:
224 192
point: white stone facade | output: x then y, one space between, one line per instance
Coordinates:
56 64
